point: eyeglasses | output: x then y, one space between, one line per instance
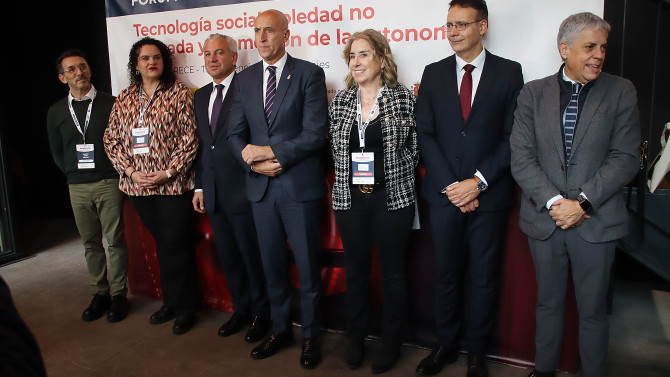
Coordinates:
82 67
460 26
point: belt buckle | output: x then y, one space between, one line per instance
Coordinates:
366 189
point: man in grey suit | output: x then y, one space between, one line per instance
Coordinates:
574 145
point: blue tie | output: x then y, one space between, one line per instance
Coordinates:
570 119
270 92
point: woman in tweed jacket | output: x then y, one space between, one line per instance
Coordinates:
151 141
375 214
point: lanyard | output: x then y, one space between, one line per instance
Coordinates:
76 121
362 126
143 109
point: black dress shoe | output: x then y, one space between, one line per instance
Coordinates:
354 353
163 315
259 328
536 373
434 362
98 306
272 345
311 353
386 358
477 366
183 323
118 308
233 325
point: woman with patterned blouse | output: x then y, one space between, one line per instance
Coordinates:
151 141
373 143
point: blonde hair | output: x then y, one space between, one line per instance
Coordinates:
380 50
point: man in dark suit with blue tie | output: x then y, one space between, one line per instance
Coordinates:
574 145
464 115
220 192
278 127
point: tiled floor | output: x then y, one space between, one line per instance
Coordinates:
50 293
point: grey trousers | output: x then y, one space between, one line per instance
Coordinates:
591 265
98 211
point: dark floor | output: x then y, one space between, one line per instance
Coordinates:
50 291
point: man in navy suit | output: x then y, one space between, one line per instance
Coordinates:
278 127
219 192
464 113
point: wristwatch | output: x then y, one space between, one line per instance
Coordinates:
584 203
481 186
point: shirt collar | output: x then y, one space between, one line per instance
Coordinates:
279 63
226 82
478 62
90 95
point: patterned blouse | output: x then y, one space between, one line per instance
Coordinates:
401 154
173 142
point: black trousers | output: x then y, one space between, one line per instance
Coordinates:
366 225
168 218
468 250
237 245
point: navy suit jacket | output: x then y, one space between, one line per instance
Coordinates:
452 150
218 173
296 131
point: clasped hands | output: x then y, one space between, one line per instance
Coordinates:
149 180
463 195
567 213
262 160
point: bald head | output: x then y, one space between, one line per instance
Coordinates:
271 34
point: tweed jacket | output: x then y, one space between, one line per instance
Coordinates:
604 155
401 154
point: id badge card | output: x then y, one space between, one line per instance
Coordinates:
141 140
363 168
85 156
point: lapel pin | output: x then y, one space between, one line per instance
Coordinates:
288 77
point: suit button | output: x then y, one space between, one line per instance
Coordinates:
463 133
212 147
458 158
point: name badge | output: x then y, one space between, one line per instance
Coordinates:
141 140
363 168
85 156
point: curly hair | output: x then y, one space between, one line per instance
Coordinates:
168 76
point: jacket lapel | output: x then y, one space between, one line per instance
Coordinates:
452 105
225 109
552 95
203 111
283 84
485 82
595 98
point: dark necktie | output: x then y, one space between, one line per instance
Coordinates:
466 91
216 108
270 92
571 119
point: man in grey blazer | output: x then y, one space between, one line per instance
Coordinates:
574 145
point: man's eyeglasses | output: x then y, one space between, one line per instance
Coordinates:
460 26
82 67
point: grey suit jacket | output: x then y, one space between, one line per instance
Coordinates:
604 155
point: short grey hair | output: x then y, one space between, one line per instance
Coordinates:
232 43
572 26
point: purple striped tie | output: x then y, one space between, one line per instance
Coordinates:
270 92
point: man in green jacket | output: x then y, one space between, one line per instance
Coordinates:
75 125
